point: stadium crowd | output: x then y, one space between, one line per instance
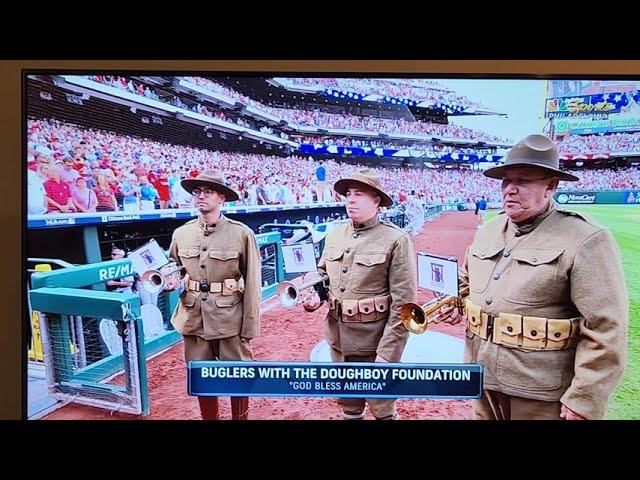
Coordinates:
418 90
74 169
600 144
352 122
127 173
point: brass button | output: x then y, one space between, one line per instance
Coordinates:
204 249
496 276
488 300
347 250
366 310
509 328
342 289
534 333
557 334
355 235
202 266
344 269
506 254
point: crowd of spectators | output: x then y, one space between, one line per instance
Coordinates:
74 169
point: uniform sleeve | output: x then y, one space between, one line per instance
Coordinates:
173 255
463 273
173 250
322 264
403 287
599 292
251 271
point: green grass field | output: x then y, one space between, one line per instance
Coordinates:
624 223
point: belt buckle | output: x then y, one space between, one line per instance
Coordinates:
204 287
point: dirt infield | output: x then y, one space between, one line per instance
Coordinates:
290 335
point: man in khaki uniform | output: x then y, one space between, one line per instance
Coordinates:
372 273
218 313
548 310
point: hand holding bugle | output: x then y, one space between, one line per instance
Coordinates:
417 318
289 293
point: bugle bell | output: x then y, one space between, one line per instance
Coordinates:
289 293
153 281
417 318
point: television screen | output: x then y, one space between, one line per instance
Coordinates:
219 172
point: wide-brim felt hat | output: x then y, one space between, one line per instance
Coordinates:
368 179
533 151
211 179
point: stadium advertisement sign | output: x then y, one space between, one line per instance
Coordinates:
632 197
585 126
585 105
573 198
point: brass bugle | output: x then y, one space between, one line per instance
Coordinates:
153 281
289 293
417 318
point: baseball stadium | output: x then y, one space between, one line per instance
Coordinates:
106 154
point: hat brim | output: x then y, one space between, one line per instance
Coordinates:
498 172
342 185
230 195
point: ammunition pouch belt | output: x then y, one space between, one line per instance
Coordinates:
364 310
227 287
522 331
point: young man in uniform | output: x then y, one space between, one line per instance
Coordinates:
372 273
218 313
